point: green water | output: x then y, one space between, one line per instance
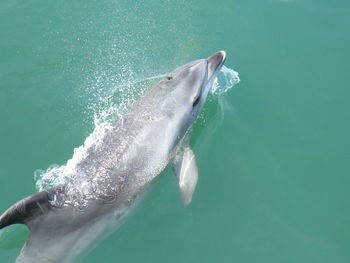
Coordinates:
273 152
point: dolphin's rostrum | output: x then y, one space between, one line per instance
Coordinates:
66 220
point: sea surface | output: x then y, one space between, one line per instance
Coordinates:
273 151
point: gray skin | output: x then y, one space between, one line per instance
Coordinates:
67 220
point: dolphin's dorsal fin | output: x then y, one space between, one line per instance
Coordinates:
27 209
186 171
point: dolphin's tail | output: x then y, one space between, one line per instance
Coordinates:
27 209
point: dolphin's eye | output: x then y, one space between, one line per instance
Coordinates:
169 77
196 101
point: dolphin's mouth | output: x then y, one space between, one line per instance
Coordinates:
215 63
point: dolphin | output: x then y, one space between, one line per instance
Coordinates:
67 220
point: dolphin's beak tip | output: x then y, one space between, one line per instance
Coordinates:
223 54
219 57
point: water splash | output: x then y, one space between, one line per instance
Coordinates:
58 175
108 107
225 80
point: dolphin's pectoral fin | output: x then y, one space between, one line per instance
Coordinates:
186 171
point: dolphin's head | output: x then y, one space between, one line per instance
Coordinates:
186 89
